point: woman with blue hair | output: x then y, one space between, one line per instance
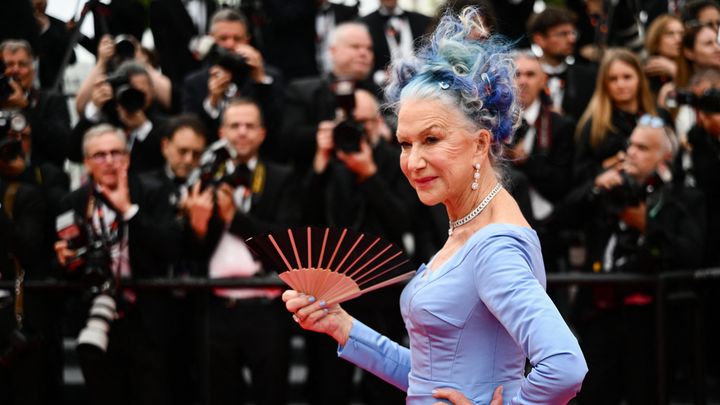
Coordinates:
478 309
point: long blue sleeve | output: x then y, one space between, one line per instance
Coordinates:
517 298
377 354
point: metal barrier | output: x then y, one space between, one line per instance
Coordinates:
661 283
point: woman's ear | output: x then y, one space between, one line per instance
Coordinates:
483 140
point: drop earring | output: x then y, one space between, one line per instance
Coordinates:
476 176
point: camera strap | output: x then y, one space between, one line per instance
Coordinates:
8 205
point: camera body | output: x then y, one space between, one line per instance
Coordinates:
93 260
708 101
230 61
12 123
124 94
631 193
216 167
348 133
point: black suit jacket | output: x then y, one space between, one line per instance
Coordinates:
273 208
172 29
153 240
307 102
290 35
549 164
579 88
145 155
23 236
53 44
49 118
380 205
268 96
376 24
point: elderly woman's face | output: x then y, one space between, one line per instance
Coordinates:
438 151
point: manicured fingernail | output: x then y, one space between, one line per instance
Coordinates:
322 303
295 318
311 299
326 310
434 392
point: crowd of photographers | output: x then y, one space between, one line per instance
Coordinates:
245 120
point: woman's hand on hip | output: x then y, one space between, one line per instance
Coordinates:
457 398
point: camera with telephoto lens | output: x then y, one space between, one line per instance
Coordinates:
6 89
103 311
230 61
348 133
124 94
12 123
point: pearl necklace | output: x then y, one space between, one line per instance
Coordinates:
469 217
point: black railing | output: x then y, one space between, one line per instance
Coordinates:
661 282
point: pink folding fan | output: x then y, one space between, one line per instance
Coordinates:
334 265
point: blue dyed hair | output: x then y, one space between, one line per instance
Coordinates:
465 67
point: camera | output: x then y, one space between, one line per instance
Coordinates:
230 61
6 89
124 48
631 192
348 133
216 167
125 95
93 261
709 101
677 98
103 311
12 123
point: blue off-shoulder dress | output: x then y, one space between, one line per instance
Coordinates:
472 322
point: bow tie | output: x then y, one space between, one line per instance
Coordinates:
558 75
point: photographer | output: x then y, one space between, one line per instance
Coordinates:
640 222
46 111
701 158
311 103
116 230
356 183
125 99
113 52
233 69
30 363
247 327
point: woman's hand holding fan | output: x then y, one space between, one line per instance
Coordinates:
316 316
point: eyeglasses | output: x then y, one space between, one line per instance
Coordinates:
565 34
100 157
651 121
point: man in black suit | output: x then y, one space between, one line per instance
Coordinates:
128 105
570 84
182 147
247 327
53 42
298 33
46 111
363 190
206 91
638 221
543 145
137 232
29 375
175 24
393 31
310 104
